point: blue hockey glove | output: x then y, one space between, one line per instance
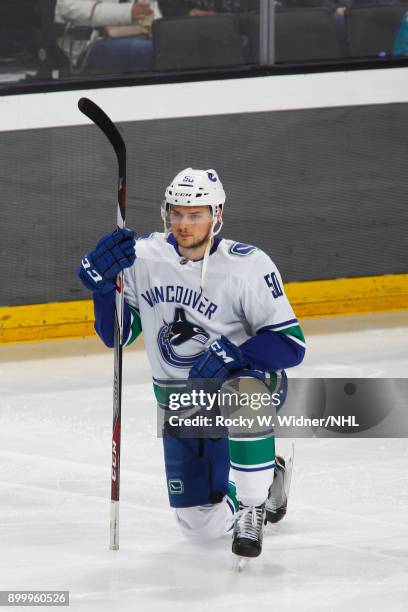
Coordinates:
113 253
219 362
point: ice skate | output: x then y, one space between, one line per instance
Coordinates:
277 502
248 534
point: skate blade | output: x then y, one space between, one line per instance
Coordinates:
239 564
288 470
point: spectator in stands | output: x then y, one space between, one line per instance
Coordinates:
119 36
341 8
401 40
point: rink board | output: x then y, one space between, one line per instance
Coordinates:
321 190
311 299
313 167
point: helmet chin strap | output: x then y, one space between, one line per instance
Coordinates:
217 219
163 215
205 261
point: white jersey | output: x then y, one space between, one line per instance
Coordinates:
243 293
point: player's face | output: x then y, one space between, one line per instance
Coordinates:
190 225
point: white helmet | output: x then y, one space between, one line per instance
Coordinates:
196 188
192 187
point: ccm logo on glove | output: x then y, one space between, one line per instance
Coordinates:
221 352
90 271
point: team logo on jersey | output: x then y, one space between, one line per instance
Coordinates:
241 249
212 177
176 333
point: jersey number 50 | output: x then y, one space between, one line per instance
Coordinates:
274 284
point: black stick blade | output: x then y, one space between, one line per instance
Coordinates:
101 119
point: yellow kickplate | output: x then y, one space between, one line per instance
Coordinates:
347 296
56 320
344 296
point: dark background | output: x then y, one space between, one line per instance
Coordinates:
323 191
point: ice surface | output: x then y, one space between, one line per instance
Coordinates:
342 546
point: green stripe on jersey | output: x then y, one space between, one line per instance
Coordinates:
294 331
252 452
162 393
135 326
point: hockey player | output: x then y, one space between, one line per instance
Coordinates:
211 310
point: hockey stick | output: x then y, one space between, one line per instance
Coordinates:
96 114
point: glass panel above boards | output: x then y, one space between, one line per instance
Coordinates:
69 41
